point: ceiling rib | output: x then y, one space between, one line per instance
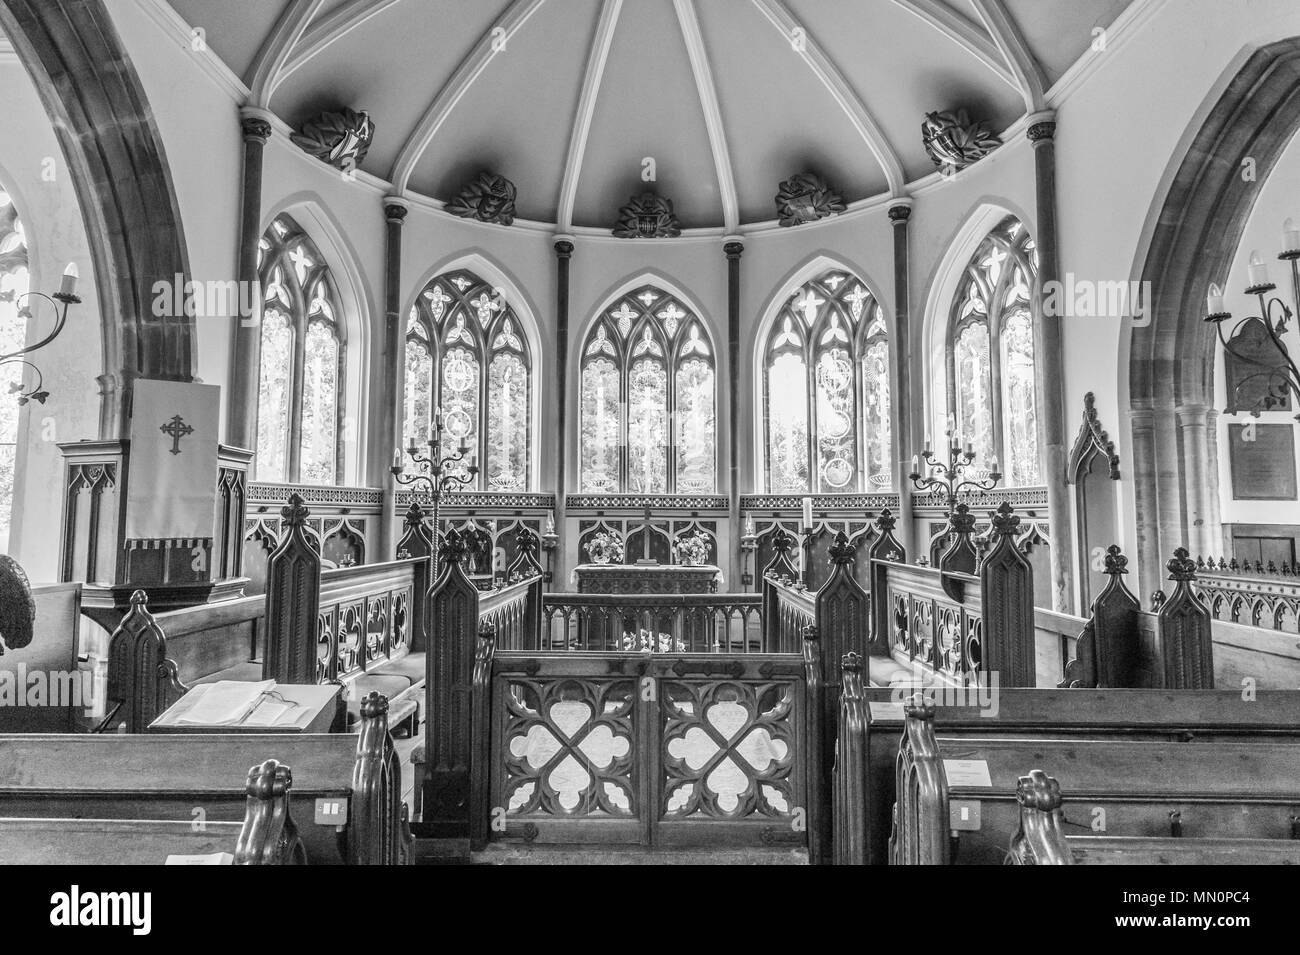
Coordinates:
1014 49
690 25
838 87
586 109
331 28
964 33
265 70
493 41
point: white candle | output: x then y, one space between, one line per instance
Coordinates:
70 276
1214 300
916 464
807 512
1290 236
995 464
1258 271
397 457
927 442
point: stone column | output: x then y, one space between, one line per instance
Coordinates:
563 254
1200 493
1146 544
1050 363
907 429
388 424
241 401
733 248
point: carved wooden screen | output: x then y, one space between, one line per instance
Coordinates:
293 601
627 748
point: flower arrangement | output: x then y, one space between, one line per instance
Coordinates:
693 551
646 642
604 547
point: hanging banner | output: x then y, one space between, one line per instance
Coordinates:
172 480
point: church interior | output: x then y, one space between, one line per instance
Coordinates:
791 432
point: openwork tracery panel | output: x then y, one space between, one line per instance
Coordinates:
728 750
569 747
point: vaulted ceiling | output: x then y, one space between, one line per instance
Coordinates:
569 98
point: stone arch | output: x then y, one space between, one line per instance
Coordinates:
106 131
1195 228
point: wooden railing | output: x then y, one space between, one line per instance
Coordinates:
661 623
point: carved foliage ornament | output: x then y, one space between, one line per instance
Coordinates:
340 139
1092 435
647 216
17 608
487 198
954 141
807 197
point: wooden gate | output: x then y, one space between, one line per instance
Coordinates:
653 750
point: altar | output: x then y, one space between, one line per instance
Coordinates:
647 579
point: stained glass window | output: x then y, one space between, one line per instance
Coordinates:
648 384
13 336
991 355
469 332
826 395
299 398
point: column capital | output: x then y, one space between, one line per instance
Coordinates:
733 246
395 209
1041 126
255 123
563 245
900 211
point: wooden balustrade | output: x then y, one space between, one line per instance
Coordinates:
662 623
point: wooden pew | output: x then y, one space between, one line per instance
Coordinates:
65 695
266 836
1041 839
872 721
193 779
946 813
350 625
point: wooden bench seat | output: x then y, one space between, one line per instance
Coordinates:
265 836
188 778
1041 839
871 725
1230 789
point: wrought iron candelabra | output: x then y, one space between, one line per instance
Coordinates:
436 474
65 296
1280 378
950 476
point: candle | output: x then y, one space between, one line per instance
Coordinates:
397 457
1258 271
995 465
969 447
807 512
927 443
550 522
1214 300
916 464
70 276
1290 236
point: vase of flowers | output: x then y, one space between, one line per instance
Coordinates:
692 551
605 547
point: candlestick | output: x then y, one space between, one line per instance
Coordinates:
1258 270
1214 300
70 276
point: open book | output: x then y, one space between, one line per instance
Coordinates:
231 702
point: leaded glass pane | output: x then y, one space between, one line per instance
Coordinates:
418 393
875 413
836 452
273 397
459 401
507 434
696 428
974 400
647 428
1019 409
599 424
787 424
320 385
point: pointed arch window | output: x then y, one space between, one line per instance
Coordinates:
13 336
826 390
467 354
647 414
990 355
300 380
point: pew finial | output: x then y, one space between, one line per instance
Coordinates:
1181 566
1116 563
852 662
374 705
886 521
268 780
1005 521
452 549
810 632
295 513
918 707
843 551
1038 791
414 516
